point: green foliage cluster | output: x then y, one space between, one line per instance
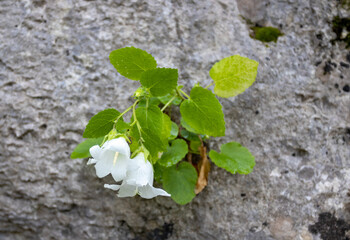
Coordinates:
345 4
266 34
152 129
341 27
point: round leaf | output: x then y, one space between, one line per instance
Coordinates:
132 62
234 158
82 150
233 75
159 81
180 182
101 124
174 131
203 113
174 154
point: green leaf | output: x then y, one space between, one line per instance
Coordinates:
180 182
194 146
234 158
134 140
158 172
150 117
132 62
174 154
82 150
155 129
233 75
159 81
101 124
174 131
165 99
151 101
187 126
121 126
203 113
166 128
189 135
151 140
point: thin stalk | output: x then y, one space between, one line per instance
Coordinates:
167 104
135 120
104 140
133 107
127 110
184 94
179 94
209 85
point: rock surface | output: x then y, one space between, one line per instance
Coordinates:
55 74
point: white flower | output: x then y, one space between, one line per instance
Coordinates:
112 158
138 181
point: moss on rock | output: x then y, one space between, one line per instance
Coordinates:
341 27
266 34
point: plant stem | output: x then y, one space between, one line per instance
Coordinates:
133 123
167 104
200 139
104 140
135 120
209 85
179 94
127 110
184 93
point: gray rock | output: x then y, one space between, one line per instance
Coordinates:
55 74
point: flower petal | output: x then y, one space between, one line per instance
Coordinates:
127 190
143 175
95 151
119 167
91 161
132 166
118 145
104 164
149 191
113 187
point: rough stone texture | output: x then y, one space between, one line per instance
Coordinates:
55 74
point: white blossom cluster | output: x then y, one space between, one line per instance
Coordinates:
135 173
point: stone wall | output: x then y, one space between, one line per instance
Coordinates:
55 74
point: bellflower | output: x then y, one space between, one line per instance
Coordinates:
112 158
138 180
